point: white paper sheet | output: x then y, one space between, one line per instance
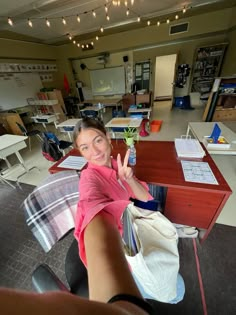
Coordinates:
198 172
73 162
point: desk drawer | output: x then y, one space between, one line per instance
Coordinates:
193 208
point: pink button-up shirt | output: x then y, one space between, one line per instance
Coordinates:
100 190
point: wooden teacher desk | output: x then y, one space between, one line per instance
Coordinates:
187 203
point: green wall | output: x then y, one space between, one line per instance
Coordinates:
214 27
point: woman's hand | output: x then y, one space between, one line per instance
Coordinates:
124 171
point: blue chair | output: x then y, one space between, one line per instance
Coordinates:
89 113
62 145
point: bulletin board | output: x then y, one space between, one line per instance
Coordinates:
16 88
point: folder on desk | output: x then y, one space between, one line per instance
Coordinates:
189 148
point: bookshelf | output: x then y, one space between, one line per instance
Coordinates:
206 66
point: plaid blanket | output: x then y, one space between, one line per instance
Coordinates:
50 209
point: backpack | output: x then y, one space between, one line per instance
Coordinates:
50 150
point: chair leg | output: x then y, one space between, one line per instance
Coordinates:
29 144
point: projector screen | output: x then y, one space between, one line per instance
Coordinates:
108 81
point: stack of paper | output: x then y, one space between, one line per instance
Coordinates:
73 162
189 148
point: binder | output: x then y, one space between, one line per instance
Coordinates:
189 148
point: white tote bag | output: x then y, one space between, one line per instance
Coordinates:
152 252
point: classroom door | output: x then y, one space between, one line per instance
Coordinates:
165 70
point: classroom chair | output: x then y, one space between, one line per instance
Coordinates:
30 133
89 113
62 145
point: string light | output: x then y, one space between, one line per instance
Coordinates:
93 11
63 21
30 23
97 38
74 42
82 46
78 44
9 21
48 23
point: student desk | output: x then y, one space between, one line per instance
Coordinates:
68 126
187 203
12 144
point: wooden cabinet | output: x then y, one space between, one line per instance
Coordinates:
9 121
221 105
192 208
130 99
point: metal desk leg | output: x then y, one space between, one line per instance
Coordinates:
188 129
6 182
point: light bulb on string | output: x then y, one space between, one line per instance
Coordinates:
118 3
127 12
74 42
48 23
63 21
30 23
176 17
158 23
70 37
148 23
102 29
82 46
107 17
9 21
138 19
106 8
132 2
92 43
184 10
126 3
94 13
78 45
87 46
97 38
78 18
167 21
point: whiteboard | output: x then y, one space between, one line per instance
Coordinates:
15 88
108 81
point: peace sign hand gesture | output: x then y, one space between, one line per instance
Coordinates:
124 171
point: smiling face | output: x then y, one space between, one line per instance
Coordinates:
94 146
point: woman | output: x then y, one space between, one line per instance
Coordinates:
106 184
